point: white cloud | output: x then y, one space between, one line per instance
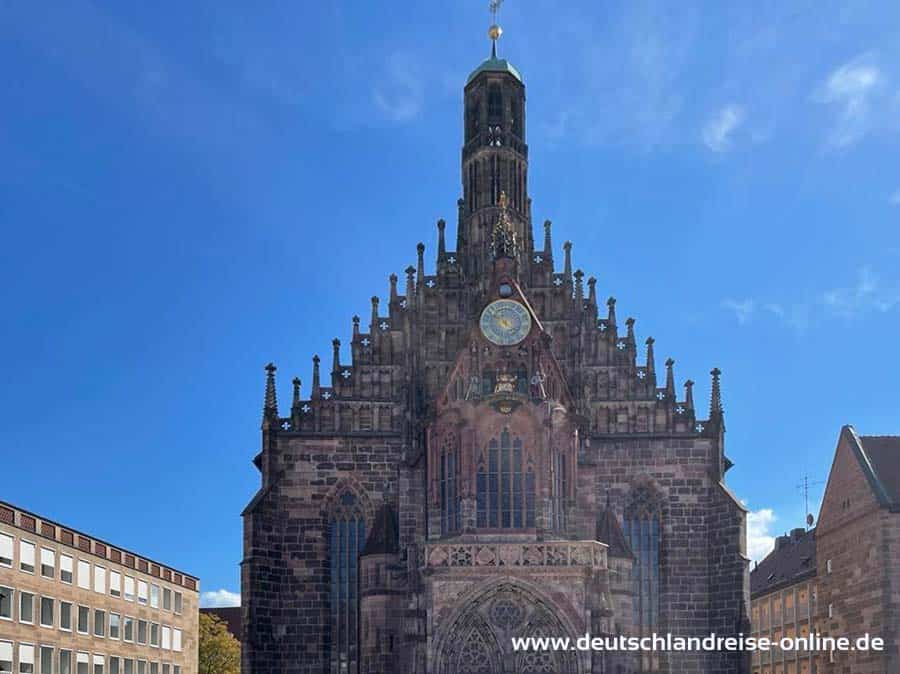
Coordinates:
760 540
743 309
400 93
717 134
868 294
219 599
850 89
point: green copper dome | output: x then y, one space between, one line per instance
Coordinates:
495 65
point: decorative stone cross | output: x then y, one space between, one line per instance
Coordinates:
699 428
621 346
538 259
365 341
642 374
451 259
680 409
430 283
327 395
285 425
346 374
660 395
383 325
557 281
306 408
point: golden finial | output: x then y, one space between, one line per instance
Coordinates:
495 31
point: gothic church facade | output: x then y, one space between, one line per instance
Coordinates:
498 457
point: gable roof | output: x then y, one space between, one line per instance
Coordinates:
879 459
884 455
610 532
793 560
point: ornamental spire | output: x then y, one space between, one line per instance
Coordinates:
567 270
393 282
715 399
611 316
270 404
373 329
420 265
592 293
579 289
689 395
410 284
295 402
495 31
442 246
336 357
316 387
651 359
670 379
548 243
630 336
504 242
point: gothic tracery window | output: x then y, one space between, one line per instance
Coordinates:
347 536
560 489
450 505
642 529
505 485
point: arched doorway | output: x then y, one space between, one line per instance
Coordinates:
479 640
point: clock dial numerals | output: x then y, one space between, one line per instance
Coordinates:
505 322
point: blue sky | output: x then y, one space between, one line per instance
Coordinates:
189 190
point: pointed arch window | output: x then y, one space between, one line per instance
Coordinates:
347 536
505 485
642 529
560 489
495 103
450 502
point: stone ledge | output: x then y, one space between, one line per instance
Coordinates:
566 554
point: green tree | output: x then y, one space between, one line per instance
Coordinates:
220 652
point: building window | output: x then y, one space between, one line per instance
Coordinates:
65 569
26 607
142 667
178 602
560 489
99 623
128 629
48 563
65 662
642 529
154 668
6 657
505 485
99 580
46 660
6 550
84 575
115 584
129 588
154 635
154 596
347 536
65 616
495 102
115 622
84 615
6 603
142 632
26 556
176 640
166 638
167 599
450 515
46 612
142 592
114 666
26 659
83 663
128 667
98 664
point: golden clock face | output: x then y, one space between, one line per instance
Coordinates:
505 322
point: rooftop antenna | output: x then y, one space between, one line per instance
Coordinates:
804 487
495 31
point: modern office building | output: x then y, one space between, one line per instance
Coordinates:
71 603
783 602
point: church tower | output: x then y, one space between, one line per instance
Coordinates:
494 162
490 457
